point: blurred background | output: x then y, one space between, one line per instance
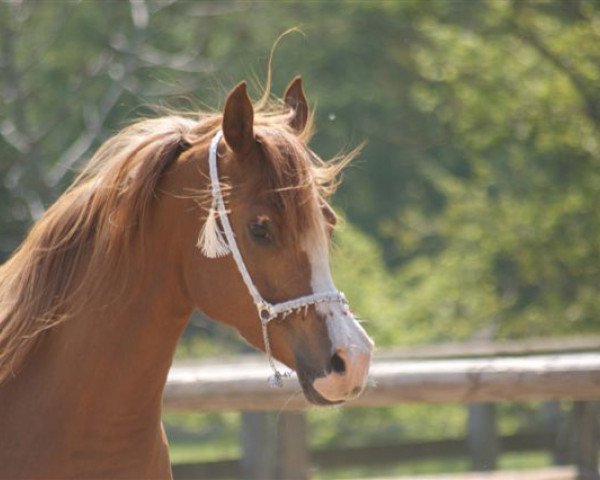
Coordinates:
471 216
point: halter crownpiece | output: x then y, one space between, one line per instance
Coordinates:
215 243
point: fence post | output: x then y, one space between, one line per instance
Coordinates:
556 427
586 439
294 454
482 439
259 445
274 446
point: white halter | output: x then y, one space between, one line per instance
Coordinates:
214 245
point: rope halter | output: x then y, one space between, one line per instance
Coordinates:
213 244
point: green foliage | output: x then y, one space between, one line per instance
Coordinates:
516 240
478 185
359 271
202 437
385 426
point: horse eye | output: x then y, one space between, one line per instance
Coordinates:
260 232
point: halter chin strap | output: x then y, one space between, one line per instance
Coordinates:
266 311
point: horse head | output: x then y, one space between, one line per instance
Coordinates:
275 204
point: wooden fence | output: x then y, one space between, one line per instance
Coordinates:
275 446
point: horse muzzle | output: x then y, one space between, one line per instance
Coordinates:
344 376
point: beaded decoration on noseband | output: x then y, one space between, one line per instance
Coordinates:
213 244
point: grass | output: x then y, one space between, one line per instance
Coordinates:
197 452
197 438
511 461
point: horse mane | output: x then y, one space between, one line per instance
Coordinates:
92 231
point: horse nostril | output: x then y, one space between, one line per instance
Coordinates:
337 364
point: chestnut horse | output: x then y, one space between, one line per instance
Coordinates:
94 301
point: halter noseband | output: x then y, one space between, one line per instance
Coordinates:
266 311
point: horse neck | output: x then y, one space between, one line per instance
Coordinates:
90 395
109 362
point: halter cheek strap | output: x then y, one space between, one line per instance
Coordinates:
219 246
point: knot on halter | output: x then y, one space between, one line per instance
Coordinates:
265 313
276 380
215 242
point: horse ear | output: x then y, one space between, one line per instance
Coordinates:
294 98
238 119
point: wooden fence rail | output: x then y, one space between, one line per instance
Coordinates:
242 386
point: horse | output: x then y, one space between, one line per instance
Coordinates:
226 212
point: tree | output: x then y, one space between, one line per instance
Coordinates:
478 180
518 234
70 75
